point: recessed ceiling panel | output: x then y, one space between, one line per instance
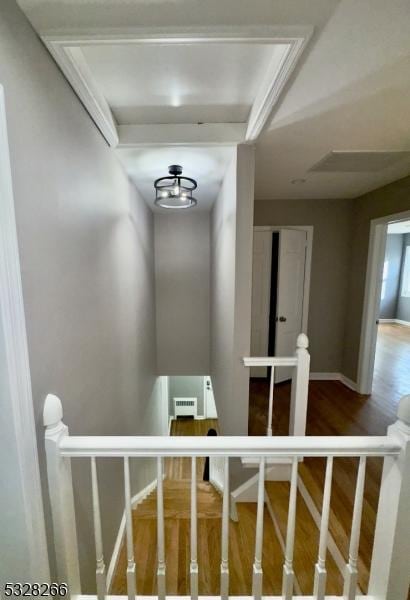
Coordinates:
181 83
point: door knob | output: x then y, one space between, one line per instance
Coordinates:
282 319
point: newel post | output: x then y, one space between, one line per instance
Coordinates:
300 386
61 496
390 573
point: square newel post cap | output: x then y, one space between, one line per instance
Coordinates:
53 411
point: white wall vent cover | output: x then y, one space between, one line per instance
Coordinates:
185 407
358 161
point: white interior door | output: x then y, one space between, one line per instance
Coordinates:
289 307
261 284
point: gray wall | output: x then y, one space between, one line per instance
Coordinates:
388 200
393 256
182 264
231 270
403 303
86 249
186 387
331 220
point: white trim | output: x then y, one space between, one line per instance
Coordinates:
401 322
371 302
73 64
66 49
325 376
135 500
268 95
334 377
396 321
308 263
164 382
17 369
348 382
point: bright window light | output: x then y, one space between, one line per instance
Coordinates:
405 285
385 277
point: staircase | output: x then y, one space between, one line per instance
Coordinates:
179 545
177 514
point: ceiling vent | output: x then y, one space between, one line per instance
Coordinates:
359 162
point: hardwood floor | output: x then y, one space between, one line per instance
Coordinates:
391 378
333 409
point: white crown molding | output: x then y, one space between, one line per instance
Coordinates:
66 50
17 370
275 81
72 63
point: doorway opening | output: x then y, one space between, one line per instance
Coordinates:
392 356
384 356
280 293
192 412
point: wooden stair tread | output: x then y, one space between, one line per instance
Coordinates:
177 547
306 539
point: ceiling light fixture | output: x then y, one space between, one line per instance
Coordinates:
175 191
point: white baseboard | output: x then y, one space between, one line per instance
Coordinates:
324 376
248 491
401 322
397 321
334 377
137 499
352 385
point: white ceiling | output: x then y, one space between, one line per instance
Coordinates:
350 92
207 165
211 83
401 227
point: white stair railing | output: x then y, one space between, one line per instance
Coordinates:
300 383
389 575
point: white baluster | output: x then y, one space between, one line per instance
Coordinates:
320 569
270 410
288 573
128 528
60 485
300 386
257 565
194 547
160 531
100 570
225 534
389 572
350 582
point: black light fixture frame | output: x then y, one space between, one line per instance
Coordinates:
165 189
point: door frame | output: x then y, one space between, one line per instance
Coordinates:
17 369
308 264
371 302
